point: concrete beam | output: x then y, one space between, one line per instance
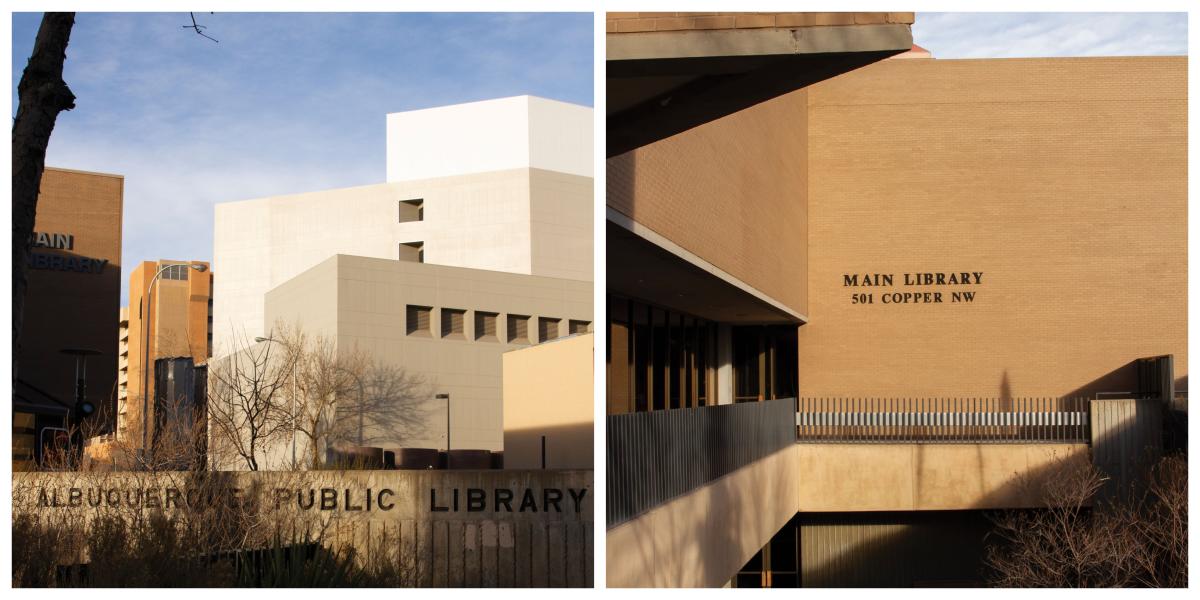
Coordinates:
903 477
754 42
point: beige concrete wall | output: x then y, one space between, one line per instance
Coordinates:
361 303
527 221
1062 181
547 391
904 477
489 546
732 192
702 538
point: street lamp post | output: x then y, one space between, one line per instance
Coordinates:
446 397
82 407
295 366
146 353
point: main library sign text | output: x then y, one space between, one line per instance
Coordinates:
946 287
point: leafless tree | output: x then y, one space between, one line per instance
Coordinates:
41 95
1137 539
248 401
346 397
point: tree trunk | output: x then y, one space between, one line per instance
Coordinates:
41 95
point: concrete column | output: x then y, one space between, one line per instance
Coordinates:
724 363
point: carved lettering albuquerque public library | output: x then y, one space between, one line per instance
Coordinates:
496 500
909 280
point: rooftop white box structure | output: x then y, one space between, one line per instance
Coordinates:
492 135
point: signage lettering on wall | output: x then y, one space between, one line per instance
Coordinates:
57 262
947 287
527 500
58 241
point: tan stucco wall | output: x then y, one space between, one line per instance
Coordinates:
1063 181
903 477
702 538
732 192
547 391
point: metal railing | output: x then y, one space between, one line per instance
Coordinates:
654 457
942 420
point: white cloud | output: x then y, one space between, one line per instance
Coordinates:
1009 35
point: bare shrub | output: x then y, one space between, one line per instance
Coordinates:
1138 540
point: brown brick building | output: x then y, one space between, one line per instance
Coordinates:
71 303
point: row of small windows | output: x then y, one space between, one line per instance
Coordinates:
177 272
419 321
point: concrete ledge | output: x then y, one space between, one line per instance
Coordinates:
902 477
757 42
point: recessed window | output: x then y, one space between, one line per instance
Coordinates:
577 327
418 319
175 272
454 323
485 326
412 210
518 329
412 252
547 329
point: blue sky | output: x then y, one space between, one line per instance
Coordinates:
285 103
1012 35
290 103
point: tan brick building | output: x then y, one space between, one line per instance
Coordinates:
71 303
781 227
179 326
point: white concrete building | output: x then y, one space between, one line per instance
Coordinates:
495 197
502 185
447 328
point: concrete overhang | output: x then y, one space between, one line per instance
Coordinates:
673 278
663 83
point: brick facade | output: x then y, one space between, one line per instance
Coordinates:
731 192
1063 181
